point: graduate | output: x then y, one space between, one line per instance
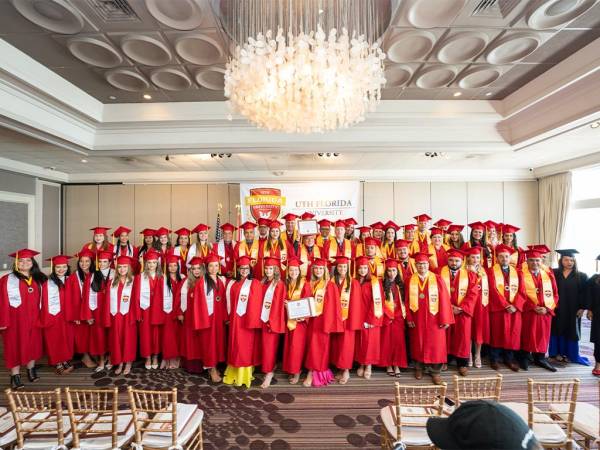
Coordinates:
263 229
295 336
181 249
443 224
408 232
428 315
274 247
538 309
566 322
393 329
122 246
84 299
406 264
163 245
291 231
325 232
272 316
477 239
56 331
147 286
202 247
480 329
307 252
438 250
455 237
328 320
343 344
350 230
462 285
99 240
224 249
249 246
509 238
244 295
506 305
422 238
122 315
338 245
210 316
20 296
388 249
149 242
376 264
368 346
378 231
190 344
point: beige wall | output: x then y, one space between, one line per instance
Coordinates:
177 205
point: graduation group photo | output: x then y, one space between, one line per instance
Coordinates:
299 224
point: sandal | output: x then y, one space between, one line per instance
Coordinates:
59 370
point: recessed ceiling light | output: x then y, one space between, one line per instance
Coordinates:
457 94
147 96
487 94
595 124
84 160
112 97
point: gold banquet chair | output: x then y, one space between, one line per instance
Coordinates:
476 388
543 398
162 423
406 420
97 424
8 432
39 420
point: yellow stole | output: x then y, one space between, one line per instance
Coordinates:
463 282
513 281
388 250
433 261
389 304
345 298
482 279
252 252
202 250
320 242
294 292
376 267
360 250
305 259
282 253
532 290
183 252
376 291
333 249
415 292
318 291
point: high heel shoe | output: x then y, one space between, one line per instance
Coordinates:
32 375
16 383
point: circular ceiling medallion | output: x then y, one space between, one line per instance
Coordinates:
462 47
178 14
54 15
94 51
211 78
127 80
435 77
434 13
146 50
555 13
513 48
479 77
397 76
199 49
410 46
171 79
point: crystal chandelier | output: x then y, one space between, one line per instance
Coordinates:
304 66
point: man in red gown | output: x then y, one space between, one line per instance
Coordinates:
339 245
224 248
249 246
291 232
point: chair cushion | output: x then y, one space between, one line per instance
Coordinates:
45 442
549 433
125 432
585 420
8 434
189 418
411 435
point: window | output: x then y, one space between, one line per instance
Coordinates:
583 219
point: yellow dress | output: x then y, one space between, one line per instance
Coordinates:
238 376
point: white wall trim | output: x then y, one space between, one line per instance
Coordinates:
39 213
30 201
35 171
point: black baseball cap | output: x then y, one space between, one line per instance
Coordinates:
481 425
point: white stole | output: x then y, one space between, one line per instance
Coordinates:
183 296
244 295
267 302
167 305
221 252
53 298
144 292
14 293
92 296
228 296
210 298
123 305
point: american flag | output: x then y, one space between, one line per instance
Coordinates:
218 225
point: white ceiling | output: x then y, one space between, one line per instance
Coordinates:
174 51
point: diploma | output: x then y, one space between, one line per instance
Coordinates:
301 309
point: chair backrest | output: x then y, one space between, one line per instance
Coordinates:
426 400
154 411
484 388
542 394
37 414
89 409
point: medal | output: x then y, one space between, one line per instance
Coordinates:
125 299
452 289
421 295
218 298
30 289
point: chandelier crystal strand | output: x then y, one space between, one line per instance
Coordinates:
287 75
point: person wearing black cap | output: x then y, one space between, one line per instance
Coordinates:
594 315
566 323
481 425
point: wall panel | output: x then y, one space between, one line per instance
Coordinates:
485 201
81 214
449 201
116 207
217 194
188 205
378 201
50 222
411 199
521 209
152 206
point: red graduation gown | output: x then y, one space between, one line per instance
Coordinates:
459 334
22 338
343 345
505 328
427 339
57 334
273 328
149 333
167 322
243 349
535 335
122 331
294 345
441 256
228 261
320 328
368 347
211 327
393 334
190 344
480 329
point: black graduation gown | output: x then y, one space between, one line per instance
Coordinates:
572 297
594 306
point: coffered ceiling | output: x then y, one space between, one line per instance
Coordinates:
128 51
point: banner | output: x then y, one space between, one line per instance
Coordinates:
326 200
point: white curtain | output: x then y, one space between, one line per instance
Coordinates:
554 199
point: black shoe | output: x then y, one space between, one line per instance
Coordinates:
32 375
524 364
15 382
545 364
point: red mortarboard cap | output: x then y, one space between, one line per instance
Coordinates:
211 257
100 230
402 243
350 221
227 227
421 257
319 262
372 241
472 251
364 230
442 223
294 262
456 253
477 226
183 232
172 258
533 253
501 248
324 223
104 254
307 216
200 227
162 231
341 260
58 259
120 230
124 259
243 261
435 231
453 228
409 226
248 226
148 232
391 263
262 222
26 253
508 228
489 224
83 252
339 224
274 224
377 226
151 255
361 261
195 261
542 248
289 217
422 218
271 261
391 224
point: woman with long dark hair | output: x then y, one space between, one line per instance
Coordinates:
56 331
455 237
389 238
149 242
20 295
148 285
163 245
477 238
566 323
275 247
509 238
182 248
190 344
202 247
